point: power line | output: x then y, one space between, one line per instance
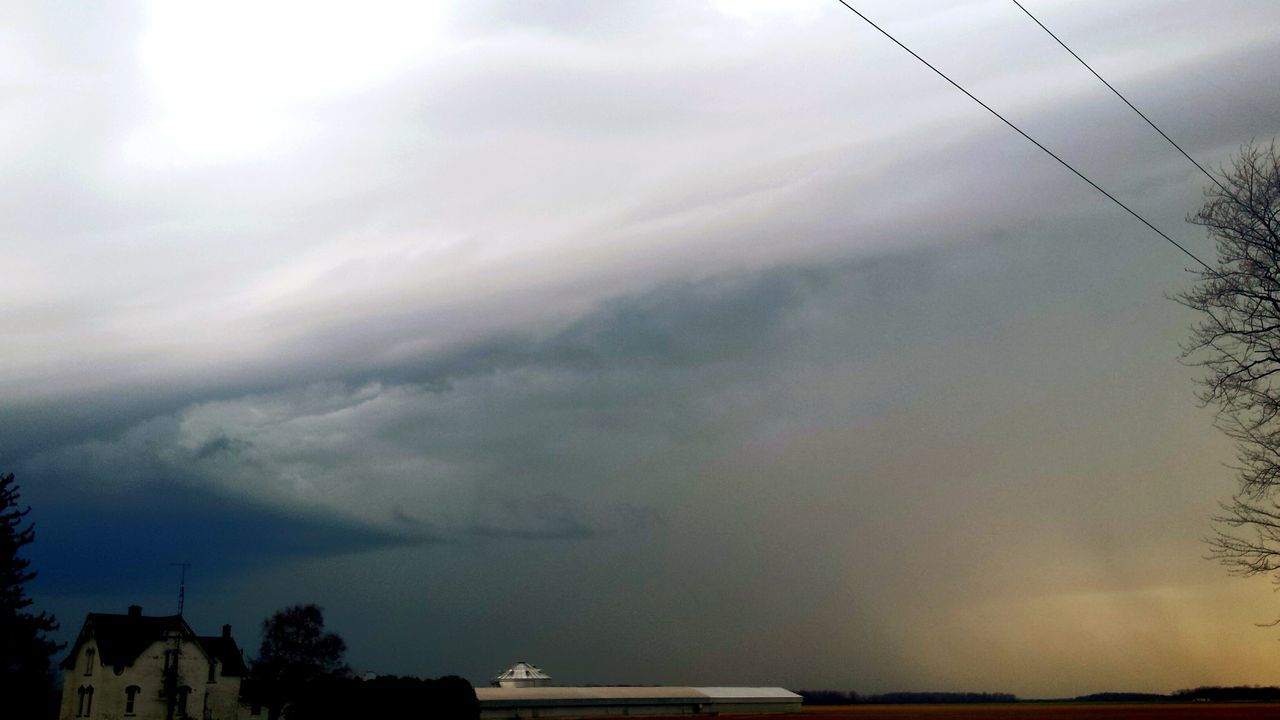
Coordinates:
1233 196
1118 94
1032 140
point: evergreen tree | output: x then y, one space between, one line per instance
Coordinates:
26 678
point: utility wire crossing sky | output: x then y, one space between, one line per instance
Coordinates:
1037 143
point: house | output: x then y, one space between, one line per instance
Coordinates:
150 668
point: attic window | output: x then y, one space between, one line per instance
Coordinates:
213 671
88 660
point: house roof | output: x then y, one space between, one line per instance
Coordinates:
521 671
122 638
224 650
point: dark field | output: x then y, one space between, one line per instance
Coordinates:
1033 711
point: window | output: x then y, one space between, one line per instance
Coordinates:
130 695
88 661
85 706
183 692
213 671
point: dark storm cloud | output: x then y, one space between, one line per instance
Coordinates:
117 543
532 420
624 381
903 439
571 434
887 434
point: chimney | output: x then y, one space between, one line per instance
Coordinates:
135 611
226 631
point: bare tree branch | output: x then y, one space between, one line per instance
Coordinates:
1236 343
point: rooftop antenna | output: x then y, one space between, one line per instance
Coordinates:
182 585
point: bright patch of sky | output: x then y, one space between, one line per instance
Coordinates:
230 81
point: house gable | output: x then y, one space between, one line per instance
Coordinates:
118 640
150 668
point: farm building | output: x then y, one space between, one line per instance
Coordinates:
510 703
521 675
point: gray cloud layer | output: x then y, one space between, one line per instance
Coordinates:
820 454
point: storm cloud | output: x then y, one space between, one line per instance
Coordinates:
652 342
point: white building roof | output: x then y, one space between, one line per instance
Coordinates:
611 695
522 671
586 694
749 693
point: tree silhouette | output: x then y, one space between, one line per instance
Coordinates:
387 696
26 680
1237 344
296 652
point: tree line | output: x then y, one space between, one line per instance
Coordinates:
1208 693
300 674
849 697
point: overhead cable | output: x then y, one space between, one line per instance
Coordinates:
1233 196
1032 140
1118 94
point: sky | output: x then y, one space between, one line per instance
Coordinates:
697 343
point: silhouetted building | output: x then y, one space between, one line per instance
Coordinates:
521 675
150 668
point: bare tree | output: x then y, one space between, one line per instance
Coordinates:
1237 344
